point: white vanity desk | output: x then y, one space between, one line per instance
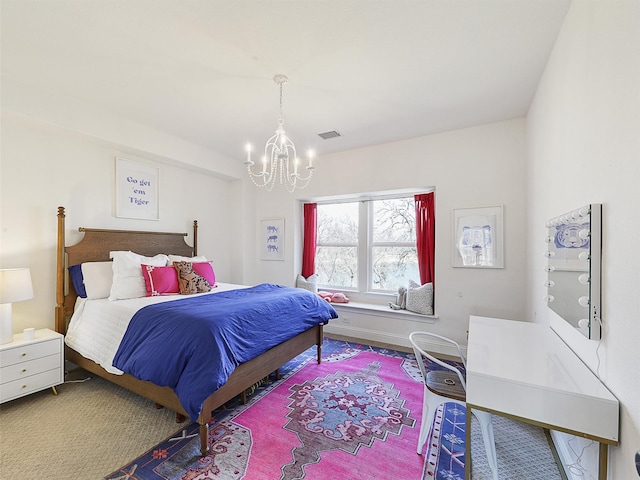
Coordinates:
526 372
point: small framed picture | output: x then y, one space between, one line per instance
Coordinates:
272 239
478 237
136 190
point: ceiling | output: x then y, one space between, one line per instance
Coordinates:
374 70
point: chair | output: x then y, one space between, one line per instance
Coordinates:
441 386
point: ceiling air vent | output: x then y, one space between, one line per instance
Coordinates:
330 134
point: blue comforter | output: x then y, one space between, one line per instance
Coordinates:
192 345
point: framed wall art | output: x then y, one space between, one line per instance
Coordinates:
136 190
478 237
272 239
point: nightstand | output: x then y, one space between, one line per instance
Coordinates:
28 366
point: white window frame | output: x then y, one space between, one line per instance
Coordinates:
371 244
357 245
364 291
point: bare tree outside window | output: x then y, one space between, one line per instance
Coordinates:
389 241
393 250
337 250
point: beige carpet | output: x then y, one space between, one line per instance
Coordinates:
85 432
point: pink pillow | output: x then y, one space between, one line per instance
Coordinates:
325 295
160 280
204 269
339 297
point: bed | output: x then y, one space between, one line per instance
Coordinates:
95 246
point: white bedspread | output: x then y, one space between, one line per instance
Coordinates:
98 326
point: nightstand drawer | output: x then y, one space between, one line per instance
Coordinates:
34 383
31 367
30 352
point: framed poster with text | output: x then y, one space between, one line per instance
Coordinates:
136 190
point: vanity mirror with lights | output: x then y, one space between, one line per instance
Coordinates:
574 254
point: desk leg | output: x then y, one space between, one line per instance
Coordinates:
602 461
467 445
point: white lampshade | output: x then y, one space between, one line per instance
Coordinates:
15 286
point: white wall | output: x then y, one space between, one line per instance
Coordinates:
44 166
583 135
480 166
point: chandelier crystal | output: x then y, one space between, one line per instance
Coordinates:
280 161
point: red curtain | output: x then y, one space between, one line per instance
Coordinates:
309 246
426 236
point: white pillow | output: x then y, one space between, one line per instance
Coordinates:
97 277
178 258
310 283
128 281
420 298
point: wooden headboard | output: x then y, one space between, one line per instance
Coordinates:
95 246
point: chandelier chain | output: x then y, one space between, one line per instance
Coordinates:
281 121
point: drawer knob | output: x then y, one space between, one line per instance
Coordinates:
24 386
24 354
24 370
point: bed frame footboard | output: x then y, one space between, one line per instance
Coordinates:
251 372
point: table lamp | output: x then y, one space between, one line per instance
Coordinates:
15 286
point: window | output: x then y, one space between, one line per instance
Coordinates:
337 245
367 246
393 254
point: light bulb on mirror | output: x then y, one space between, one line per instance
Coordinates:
584 234
584 278
549 253
584 301
548 298
549 268
583 323
584 256
549 283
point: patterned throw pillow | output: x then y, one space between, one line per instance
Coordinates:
189 281
420 298
310 283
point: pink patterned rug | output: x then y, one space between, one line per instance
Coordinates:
354 416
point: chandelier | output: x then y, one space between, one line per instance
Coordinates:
280 161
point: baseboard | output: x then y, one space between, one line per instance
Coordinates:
364 334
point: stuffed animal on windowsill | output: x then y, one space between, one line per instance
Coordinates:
415 298
337 297
401 300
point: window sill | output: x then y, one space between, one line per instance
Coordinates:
383 311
